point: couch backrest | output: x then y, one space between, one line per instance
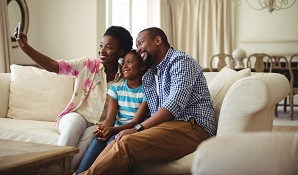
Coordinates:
4 96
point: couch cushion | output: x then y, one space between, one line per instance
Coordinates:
36 94
178 167
29 131
221 83
209 76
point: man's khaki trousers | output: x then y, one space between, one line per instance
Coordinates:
164 142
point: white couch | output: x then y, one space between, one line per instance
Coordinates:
254 153
31 98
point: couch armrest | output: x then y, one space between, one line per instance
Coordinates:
250 153
249 104
4 86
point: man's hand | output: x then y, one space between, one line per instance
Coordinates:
124 132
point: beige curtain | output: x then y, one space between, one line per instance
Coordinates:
216 29
179 20
201 28
5 38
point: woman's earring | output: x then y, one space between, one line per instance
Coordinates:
120 61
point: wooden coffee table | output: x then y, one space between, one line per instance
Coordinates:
22 158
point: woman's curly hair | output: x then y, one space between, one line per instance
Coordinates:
123 36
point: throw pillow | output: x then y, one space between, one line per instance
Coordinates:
36 94
221 83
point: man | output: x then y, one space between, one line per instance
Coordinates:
179 101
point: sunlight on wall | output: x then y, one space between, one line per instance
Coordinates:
260 31
253 25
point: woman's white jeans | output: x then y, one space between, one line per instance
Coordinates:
71 127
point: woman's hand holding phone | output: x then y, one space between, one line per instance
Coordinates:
20 38
19 30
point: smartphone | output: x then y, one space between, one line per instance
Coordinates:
19 29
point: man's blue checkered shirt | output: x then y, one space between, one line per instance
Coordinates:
182 88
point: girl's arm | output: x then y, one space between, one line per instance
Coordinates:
139 116
111 112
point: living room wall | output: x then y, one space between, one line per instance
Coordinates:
65 29
71 29
262 31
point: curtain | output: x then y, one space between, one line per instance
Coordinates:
5 38
179 20
216 29
201 28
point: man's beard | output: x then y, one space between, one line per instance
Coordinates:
146 57
148 60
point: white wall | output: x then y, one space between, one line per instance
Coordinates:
69 29
260 31
64 29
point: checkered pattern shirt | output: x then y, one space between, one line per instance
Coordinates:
182 88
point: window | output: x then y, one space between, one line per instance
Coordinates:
134 15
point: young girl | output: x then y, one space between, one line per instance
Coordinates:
127 106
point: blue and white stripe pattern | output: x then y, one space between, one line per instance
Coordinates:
129 100
182 88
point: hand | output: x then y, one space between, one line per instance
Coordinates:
98 131
106 134
103 133
21 39
103 139
108 131
123 133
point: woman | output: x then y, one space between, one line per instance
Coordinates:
93 76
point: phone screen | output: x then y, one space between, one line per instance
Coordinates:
19 29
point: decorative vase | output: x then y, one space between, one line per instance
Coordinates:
239 54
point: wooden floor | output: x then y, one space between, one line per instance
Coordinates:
284 123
